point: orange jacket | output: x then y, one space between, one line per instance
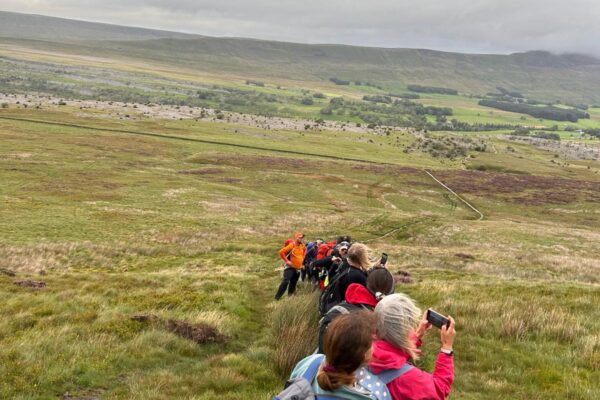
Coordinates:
298 251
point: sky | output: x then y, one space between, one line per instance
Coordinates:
471 26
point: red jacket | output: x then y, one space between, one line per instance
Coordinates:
358 294
414 384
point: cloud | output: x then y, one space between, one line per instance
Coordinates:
496 26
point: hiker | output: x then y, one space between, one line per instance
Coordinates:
347 346
338 257
293 256
311 255
380 283
398 339
351 270
358 264
329 265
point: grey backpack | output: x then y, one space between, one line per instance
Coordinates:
301 388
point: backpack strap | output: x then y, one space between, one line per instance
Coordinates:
390 374
289 254
311 371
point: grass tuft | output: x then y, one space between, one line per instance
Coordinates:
295 329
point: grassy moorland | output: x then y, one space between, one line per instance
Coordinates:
118 224
146 194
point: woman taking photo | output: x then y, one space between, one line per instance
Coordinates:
399 333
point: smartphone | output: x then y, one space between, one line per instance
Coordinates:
437 319
384 258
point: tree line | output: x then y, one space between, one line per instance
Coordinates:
431 89
546 112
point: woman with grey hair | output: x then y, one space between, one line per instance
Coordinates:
399 332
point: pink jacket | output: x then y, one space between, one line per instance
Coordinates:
414 384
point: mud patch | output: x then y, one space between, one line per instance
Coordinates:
7 272
145 318
28 283
403 277
464 256
201 333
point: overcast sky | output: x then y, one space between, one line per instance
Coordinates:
475 26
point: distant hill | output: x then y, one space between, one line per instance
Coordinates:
31 26
537 74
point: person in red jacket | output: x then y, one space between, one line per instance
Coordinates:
293 256
380 283
398 341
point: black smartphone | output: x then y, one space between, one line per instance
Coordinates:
384 257
437 319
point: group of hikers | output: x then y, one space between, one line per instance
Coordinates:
369 336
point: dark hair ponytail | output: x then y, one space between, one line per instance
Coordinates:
380 282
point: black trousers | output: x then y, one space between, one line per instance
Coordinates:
290 278
304 273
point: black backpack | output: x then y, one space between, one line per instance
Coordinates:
332 295
333 313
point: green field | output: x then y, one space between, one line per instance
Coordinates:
118 224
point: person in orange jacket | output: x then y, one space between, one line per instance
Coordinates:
293 256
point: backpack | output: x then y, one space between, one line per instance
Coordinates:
332 295
324 250
333 313
300 388
311 253
377 384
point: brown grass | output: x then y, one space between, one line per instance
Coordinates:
524 189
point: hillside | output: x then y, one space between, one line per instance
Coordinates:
537 74
31 26
146 217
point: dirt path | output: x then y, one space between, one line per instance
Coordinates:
386 202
